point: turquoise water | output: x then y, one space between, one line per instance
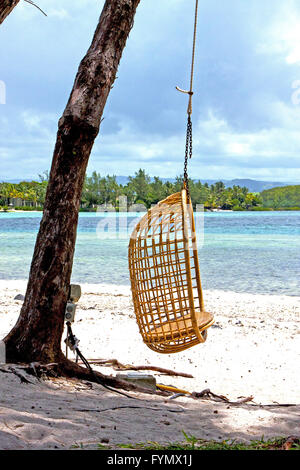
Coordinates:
257 252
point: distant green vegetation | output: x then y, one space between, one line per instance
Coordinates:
143 190
286 197
25 195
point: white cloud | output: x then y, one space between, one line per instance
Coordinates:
218 149
59 13
39 124
54 8
143 113
271 144
282 36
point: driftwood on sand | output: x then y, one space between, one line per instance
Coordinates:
119 366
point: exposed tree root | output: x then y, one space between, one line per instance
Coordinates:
71 370
119 366
16 371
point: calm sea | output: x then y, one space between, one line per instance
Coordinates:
256 252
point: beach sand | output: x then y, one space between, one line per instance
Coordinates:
253 349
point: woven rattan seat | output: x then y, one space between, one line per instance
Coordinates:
176 328
165 277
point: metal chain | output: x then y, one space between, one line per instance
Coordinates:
188 152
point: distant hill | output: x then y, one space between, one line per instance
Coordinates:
256 186
283 197
253 185
17 181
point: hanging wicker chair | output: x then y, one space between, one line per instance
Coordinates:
165 277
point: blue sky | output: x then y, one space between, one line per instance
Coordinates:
246 111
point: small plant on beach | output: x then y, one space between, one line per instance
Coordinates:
191 440
192 443
77 446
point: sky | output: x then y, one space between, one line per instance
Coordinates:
246 104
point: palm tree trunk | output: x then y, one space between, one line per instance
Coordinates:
6 7
38 332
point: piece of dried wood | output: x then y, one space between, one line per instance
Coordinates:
119 366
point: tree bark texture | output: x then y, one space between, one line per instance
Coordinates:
6 7
38 331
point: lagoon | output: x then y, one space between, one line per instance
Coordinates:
255 252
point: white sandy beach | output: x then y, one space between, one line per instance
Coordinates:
253 349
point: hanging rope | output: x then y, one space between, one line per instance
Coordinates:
36 6
189 131
193 60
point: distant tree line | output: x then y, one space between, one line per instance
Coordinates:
24 195
140 189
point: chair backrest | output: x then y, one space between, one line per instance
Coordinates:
165 277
